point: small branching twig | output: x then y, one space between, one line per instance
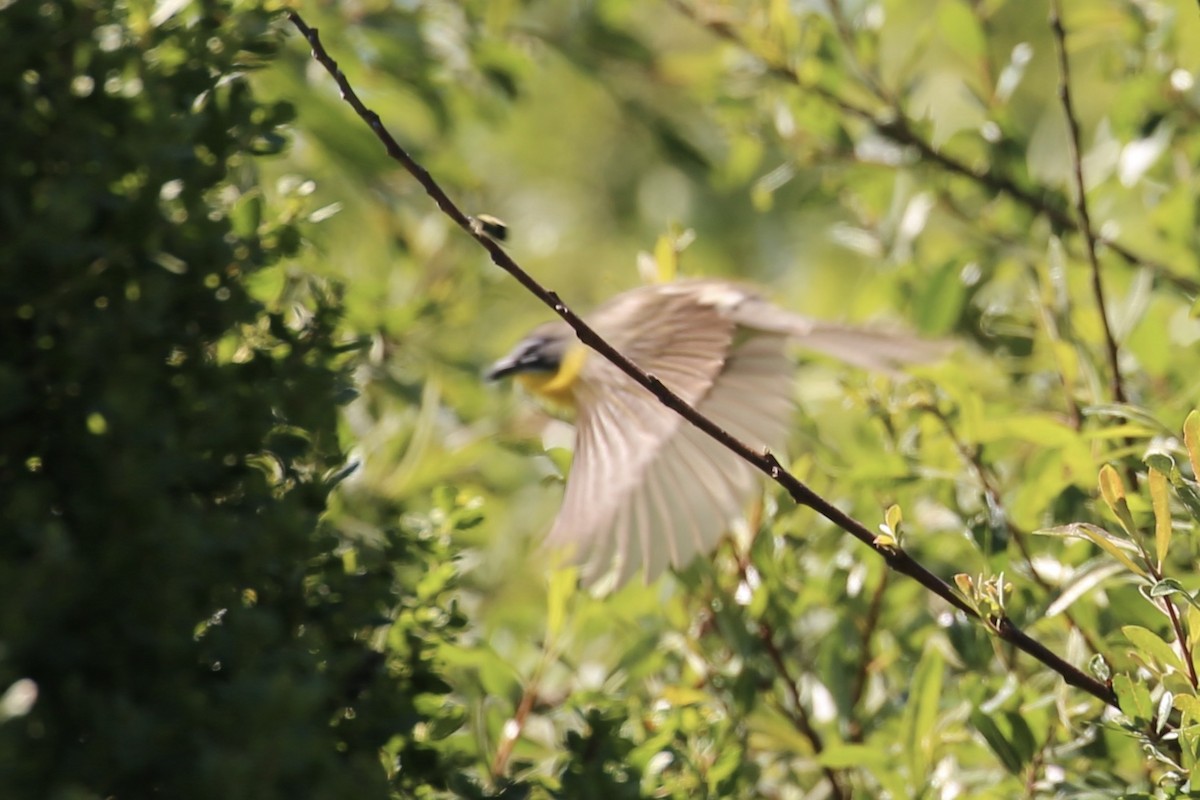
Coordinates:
859 687
797 713
991 491
896 558
893 123
1081 205
846 34
1177 626
1181 639
511 733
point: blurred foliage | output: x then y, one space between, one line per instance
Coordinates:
193 609
176 620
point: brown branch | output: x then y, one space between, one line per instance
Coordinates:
509 738
992 492
1181 634
897 559
798 714
1081 205
892 123
859 688
1181 639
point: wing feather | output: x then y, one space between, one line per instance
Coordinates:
647 489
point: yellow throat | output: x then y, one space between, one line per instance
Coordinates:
557 388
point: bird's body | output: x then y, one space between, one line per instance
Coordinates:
646 488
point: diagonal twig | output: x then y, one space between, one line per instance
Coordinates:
797 714
892 123
987 483
1081 206
897 559
859 687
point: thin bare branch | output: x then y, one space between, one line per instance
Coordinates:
1181 641
846 34
1081 206
797 712
511 733
897 559
987 482
870 624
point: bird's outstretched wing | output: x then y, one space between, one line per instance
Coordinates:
646 488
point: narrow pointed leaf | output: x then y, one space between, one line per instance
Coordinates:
1162 515
1117 548
1191 440
920 716
1112 489
1151 645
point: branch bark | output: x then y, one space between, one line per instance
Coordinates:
1081 205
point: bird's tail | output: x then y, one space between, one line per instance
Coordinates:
878 350
875 349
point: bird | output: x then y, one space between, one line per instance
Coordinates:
646 489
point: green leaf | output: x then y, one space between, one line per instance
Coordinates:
1192 615
1189 708
1168 587
921 712
893 517
562 587
1189 494
1117 548
847 756
938 299
873 759
1154 647
1191 440
1112 489
1134 700
962 32
1001 745
1162 515
1160 461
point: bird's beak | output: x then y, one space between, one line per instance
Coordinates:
506 366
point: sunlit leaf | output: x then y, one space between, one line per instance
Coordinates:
1091 576
893 517
1112 489
1191 440
921 711
665 257
1162 515
1154 647
1116 547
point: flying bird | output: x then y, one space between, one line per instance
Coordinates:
646 488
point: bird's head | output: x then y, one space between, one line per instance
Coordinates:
547 362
